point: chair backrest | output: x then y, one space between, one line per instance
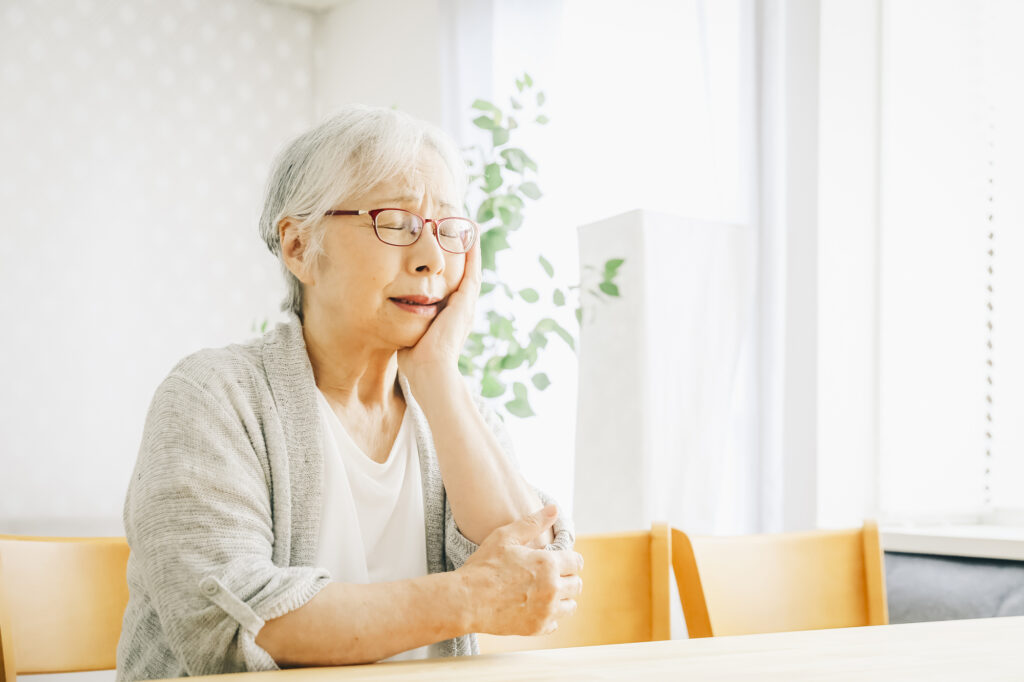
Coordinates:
62 601
780 582
625 595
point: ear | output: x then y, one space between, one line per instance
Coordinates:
293 250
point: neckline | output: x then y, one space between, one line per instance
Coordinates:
340 428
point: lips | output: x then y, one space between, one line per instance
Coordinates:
416 300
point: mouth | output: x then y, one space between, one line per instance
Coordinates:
418 305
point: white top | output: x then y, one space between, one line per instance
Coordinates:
372 526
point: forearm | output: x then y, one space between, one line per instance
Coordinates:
484 488
355 623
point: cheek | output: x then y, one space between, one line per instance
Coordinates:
357 277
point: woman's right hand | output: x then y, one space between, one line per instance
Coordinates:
516 590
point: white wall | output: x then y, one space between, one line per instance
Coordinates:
382 53
136 138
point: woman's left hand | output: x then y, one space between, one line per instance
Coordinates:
439 348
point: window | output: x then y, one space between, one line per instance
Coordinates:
951 271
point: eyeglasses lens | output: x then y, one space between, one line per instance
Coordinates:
456 234
401 228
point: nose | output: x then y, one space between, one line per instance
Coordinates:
426 255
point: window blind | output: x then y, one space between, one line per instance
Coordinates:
951 270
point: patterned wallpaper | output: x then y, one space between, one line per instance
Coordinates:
135 138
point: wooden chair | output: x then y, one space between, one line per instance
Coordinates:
625 595
61 604
780 582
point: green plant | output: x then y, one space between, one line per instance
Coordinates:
503 179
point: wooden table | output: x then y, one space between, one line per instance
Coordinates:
969 650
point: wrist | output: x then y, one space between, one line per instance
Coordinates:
436 385
461 597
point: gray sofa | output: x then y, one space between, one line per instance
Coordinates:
923 587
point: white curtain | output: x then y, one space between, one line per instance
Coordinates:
655 106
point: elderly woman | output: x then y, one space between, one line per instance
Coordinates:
333 492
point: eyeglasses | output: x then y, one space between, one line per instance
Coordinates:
398 227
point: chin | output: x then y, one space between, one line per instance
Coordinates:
408 338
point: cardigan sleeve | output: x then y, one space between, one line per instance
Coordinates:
458 547
198 521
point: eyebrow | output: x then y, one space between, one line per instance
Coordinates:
411 199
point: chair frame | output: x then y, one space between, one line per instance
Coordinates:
694 602
64 556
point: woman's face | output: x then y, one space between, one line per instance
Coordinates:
358 276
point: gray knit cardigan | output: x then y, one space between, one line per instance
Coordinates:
222 511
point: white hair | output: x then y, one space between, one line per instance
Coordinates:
344 157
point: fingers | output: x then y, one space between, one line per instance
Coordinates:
566 607
476 255
570 588
472 275
568 562
530 526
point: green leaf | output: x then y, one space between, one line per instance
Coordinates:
558 297
486 288
547 324
517 160
529 295
611 267
516 104
499 136
541 381
530 189
486 211
484 105
513 201
513 159
519 390
519 408
541 98
491 242
519 85
492 177
579 316
609 288
537 339
485 122
527 80
466 366
546 265
501 327
474 344
515 357
531 354
542 119
512 123
491 387
514 222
